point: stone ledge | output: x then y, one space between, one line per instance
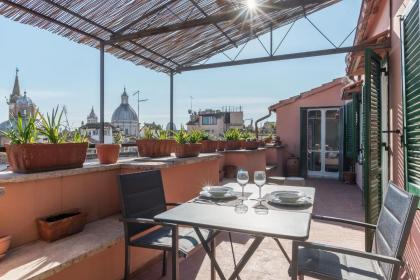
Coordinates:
39 259
94 166
244 151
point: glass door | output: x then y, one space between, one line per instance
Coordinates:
323 142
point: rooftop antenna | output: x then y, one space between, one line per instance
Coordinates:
138 107
67 119
191 109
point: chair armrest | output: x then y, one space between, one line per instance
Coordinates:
145 221
329 248
173 203
344 221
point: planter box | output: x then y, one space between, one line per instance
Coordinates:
233 145
154 148
208 146
221 145
250 145
187 150
108 153
58 226
30 158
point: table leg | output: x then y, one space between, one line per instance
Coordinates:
283 250
212 266
175 251
248 254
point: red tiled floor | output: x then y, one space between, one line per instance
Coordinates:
332 198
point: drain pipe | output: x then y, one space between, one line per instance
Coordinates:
261 119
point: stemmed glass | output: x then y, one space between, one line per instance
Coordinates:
259 180
242 178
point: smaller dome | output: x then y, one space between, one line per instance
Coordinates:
24 101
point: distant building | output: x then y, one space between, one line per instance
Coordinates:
92 129
18 104
125 118
216 122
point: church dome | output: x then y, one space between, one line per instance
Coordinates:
124 112
24 101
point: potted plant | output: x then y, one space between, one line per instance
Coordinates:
232 137
350 176
249 141
187 144
60 225
27 156
4 244
109 153
208 145
154 144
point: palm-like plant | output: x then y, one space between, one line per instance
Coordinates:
25 132
232 134
195 136
51 126
181 137
162 134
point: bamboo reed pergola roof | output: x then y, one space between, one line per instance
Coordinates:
163 35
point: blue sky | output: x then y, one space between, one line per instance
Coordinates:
55 70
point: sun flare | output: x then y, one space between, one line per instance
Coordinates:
251 4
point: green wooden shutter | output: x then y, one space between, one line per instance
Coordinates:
349 129
411 98
356 129
303 142
372 182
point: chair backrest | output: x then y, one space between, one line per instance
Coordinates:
394 225
142 196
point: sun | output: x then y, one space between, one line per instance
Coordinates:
251 4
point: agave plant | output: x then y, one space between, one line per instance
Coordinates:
195 136
162 134
79 137
232 134
117 137
25 132
148 133
247 136
51 126
182 137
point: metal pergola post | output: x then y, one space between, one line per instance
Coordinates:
102 93
171 105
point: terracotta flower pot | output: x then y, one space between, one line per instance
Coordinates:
349 177
250 145
108 153
29 158
221 145
58 226
187 150
208 146
4 245
233 145
154 147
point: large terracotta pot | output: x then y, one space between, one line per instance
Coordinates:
4 245
187 150
233 145
58 226
221 145
292 166
108 153
30 158
208 146
250 145
154 147
349 177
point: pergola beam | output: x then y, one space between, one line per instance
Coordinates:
69 27
215 24
284 57
64 9
235 15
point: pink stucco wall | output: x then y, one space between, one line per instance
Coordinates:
288 115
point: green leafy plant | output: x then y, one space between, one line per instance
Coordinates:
181 137
25 132
148 133
51 126
162 134
232 134
79 137
205 135
117 137
195 136
247 136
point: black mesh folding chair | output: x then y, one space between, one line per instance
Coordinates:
142 198
391 233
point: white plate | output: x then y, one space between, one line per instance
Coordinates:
288 196
217 190
299 202
227 195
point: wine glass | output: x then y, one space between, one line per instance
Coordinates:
242 178
259 180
